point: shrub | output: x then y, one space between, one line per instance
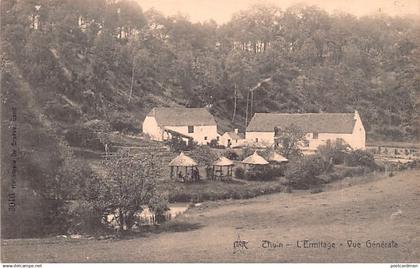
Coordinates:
232 155
265 174
203 155
334 151
159 205
215 144
305 171
317 190
343 172
360 158
123 123
79 136
62 112
240 173
177 144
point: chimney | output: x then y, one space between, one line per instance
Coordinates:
236 130
356 114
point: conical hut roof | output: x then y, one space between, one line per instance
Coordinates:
255 159
223 161
275 157
182 161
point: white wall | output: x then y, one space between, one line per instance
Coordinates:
224 140
199 134
324 137
151 128
359 134
357 139
264 138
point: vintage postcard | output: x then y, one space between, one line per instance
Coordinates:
210 131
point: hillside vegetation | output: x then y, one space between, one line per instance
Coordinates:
110 60
76 68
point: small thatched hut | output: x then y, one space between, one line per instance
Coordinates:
185 168
275 158
254 161
219 166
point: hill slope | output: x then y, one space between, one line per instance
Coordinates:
359 213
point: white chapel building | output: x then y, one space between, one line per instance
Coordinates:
191 123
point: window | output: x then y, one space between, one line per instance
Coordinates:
205 138
315 135
190 129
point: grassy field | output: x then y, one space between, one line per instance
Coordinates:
369 208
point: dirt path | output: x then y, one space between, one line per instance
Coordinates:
380 210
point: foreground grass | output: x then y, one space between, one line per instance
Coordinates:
363 211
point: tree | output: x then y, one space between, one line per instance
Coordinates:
289 140
305 171
127 187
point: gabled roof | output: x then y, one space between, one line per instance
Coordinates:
235 136
311 122
182 161
255 159
223 161
182 116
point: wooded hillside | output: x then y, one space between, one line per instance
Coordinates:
112 61
73 68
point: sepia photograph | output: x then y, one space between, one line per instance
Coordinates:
210 131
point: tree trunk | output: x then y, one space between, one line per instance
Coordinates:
246 110
234 104
252 104
132 80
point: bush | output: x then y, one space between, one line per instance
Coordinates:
333 152
305 171
203 155
62 112
342 172
177 144
123 123
232 155
360 158
265 174
159 205
215 144
350 171
240 173
84 137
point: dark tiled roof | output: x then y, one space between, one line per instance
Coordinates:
311 122
182 116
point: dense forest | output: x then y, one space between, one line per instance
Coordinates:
103 64
109 60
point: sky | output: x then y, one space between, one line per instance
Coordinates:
222 10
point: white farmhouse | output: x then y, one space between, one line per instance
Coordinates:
194 123
319 127
232 139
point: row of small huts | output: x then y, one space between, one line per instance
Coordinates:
184 168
